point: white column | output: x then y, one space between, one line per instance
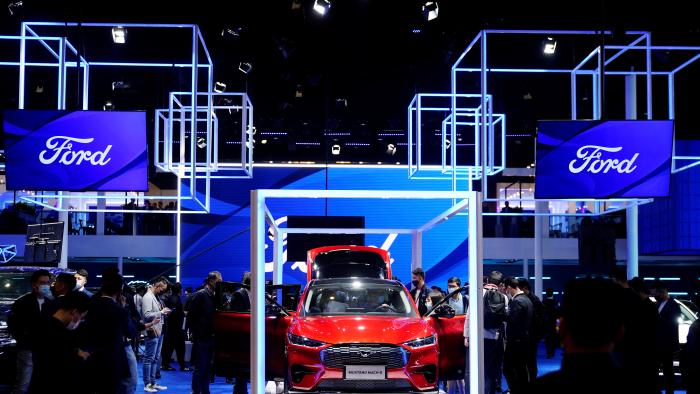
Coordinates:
632 242
101 204
120 265
257 310
476 315
526 268
632 212
63 217
416 250
278 254
540 207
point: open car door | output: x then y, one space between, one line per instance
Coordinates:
232 328
449 327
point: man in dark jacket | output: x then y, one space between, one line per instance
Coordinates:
590 325
106 328
551 314
56 354
690 359
518 326
536 327
666 333
420 291
175 334
24 318
201 324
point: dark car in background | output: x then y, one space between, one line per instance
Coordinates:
14 283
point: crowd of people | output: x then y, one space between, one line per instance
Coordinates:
616 338
63 332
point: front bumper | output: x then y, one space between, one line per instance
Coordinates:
307 373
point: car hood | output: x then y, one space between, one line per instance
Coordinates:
361 329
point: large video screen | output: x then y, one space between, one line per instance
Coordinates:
75 150
603 159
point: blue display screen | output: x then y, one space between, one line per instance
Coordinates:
75 150
221 241
603 159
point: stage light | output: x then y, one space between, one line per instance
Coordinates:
39 88
391 149
245 67
322 6
296 4
232 33
335 150
108 106
263 142
116 85
219 87
13 6
201 143
550 46
430 10
119 35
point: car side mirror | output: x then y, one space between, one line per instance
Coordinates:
445 311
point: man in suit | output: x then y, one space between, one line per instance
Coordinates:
24 318
151 309
536 328
420 291
518 326
666 333
106 327
201 323
174 335
551 314
590 325
81 277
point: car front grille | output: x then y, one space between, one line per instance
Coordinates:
339 356
365 385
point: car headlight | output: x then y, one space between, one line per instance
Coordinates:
303 341
422 342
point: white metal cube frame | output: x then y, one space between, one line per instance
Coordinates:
259 215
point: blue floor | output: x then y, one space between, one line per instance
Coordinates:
179 382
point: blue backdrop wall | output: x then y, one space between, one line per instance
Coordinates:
220 241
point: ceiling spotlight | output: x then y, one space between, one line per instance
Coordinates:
322 6
119 35
391 149
296 4
39 88
13 6
263 142
201 143
108 106
299 93
430 10
231 32
335 149
116 85
219 87
550 46
245 67
447 144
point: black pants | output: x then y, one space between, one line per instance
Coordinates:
202 368
665 360
515 365
493 361
174 341
551 342
532 359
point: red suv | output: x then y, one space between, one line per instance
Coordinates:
345 334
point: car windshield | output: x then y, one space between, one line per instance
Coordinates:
14 285
357 297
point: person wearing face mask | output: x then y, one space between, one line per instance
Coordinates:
201 324
25 316
81 277
459 301
55 351
420 291
64 284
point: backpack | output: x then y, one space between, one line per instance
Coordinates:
494 309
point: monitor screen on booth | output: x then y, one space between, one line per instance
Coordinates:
603 159
75 150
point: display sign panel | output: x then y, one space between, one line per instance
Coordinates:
75 150
603 159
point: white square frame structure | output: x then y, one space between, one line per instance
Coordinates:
259 215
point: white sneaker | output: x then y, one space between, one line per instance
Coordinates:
158 387
149 389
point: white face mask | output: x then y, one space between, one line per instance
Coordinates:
45 291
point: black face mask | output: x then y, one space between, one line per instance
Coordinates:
415 282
